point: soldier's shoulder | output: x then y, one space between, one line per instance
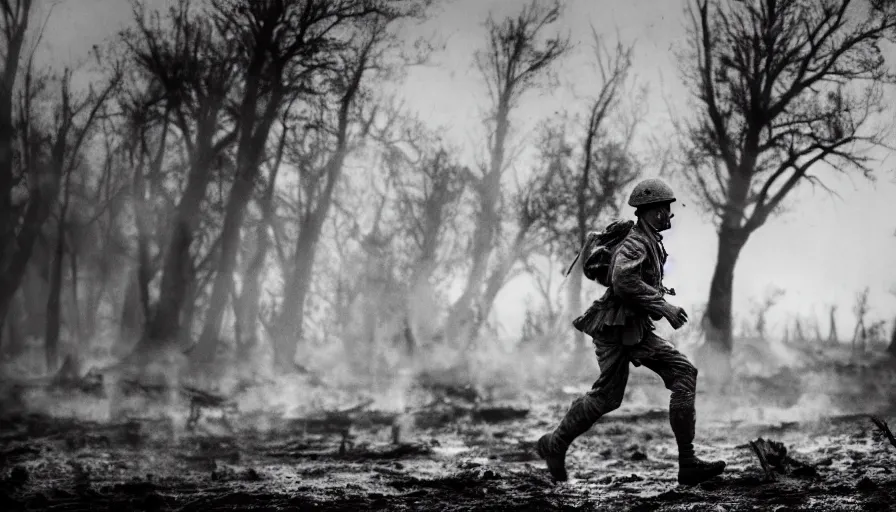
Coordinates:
635 243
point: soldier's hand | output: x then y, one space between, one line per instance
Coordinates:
677 317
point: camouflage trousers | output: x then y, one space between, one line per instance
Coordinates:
655 353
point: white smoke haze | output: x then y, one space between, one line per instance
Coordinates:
368 331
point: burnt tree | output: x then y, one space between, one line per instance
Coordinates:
21 217
780 87
516 57
339 119
191 75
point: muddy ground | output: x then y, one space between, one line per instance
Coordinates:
453 449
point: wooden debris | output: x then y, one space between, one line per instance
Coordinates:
774 460
200 399
69 377
135 386
499 414
762 449
884 429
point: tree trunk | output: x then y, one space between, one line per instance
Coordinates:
715 354
289 327
53 298
416 304
496 281
833 338
131 320
892 348
14 342
461 321
289 323
249 156
165 323
77 325
240 194
249 304
246 309
11 252
53 309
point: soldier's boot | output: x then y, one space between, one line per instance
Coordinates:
691 469
552 447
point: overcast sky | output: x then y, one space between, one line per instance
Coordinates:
822 252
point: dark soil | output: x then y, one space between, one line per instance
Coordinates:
452 453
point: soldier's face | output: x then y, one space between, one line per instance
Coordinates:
662 219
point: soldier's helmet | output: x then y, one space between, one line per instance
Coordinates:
651 191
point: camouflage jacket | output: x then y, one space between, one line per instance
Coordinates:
636 292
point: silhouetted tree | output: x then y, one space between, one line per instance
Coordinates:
338 121
771 298
192 77
74 122
514 61
780 87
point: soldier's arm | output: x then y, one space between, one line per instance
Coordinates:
627 283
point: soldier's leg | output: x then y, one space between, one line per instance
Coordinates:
605 395
680 377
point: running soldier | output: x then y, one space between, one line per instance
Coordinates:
621 325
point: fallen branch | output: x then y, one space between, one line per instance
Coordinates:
774 460
200 399
499 414
884 429
760 448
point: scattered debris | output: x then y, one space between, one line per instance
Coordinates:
448 386
884 429
498 414
200 400
774 461
469 453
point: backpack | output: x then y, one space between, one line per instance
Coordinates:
598 249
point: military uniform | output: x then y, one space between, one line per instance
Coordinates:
621 325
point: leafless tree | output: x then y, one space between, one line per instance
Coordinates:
798 335
15 209
248 302
430 185
338 121
544 322
833 338
761 310
75 119
286 47
781 87
515 59
584 177
860 332
42 136
192 79
816 330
